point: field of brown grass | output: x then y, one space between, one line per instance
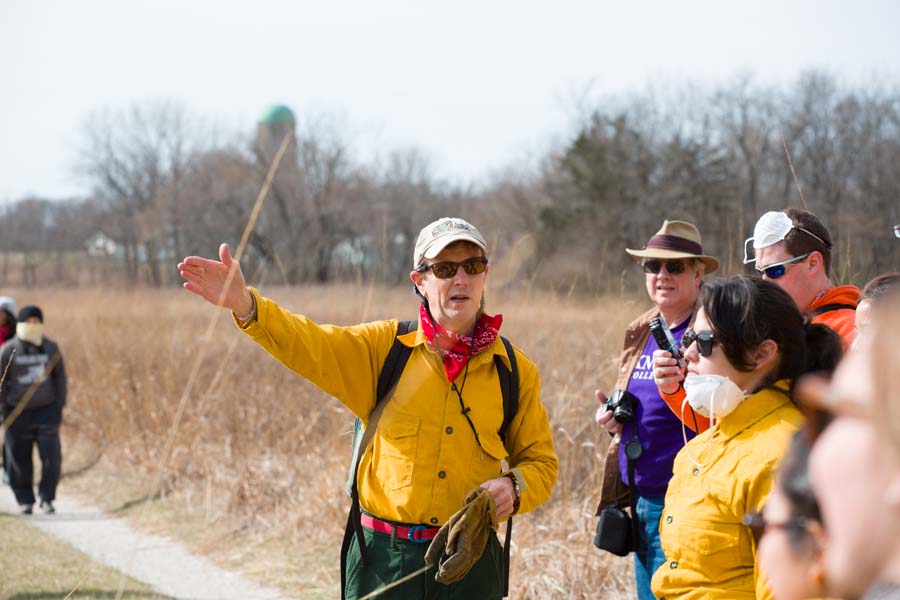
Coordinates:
256 475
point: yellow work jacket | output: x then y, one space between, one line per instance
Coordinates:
709 552
423 458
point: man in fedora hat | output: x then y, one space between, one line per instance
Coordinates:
438 435
674 263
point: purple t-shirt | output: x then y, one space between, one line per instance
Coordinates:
658 429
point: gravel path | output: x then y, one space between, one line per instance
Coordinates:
158 561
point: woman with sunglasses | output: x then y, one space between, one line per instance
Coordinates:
748 344
673 263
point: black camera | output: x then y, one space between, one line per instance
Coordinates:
622 403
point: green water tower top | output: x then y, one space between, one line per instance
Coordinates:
277 113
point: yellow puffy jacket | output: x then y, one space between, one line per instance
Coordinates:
423 459
709 553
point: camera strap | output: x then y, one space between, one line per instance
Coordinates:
633 451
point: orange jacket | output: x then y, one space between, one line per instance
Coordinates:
841 320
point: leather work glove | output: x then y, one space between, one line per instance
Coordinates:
460 542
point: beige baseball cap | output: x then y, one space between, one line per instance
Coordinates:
436 236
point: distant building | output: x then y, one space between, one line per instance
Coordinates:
101 244
275 123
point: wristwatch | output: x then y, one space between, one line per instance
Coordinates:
516 489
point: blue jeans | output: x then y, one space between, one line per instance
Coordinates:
649 556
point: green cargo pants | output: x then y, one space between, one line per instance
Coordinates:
391 558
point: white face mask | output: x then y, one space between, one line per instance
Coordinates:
32 333
713 396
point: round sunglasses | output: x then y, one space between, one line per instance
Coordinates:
778 269
705 341
674 267
447 269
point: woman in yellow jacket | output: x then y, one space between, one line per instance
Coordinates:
748 344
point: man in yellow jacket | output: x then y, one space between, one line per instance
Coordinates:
437 437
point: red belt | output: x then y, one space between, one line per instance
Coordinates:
417 533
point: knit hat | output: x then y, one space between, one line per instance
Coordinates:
8 304
30 311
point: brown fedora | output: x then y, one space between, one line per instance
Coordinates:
676 239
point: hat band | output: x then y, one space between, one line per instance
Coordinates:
673 242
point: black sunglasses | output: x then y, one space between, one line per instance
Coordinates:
758 524
704 339
674 267
447 269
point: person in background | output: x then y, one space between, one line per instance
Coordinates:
674 264
7 318
37 377
879 288
747 345
790 536
855 464
792 248
7 330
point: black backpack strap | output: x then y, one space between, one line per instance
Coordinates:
830 307
391 370
509 388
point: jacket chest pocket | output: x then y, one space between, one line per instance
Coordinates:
395 448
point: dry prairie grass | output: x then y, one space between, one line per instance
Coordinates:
256 479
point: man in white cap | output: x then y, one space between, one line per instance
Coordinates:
444 429
792 248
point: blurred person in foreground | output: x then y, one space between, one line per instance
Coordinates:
876 291
790 536
36 377
792 248
748 343
673 263
855 464
438 437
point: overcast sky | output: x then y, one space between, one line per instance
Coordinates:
478 85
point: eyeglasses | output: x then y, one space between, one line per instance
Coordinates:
778 269
674 267
704 339
447 269
758 524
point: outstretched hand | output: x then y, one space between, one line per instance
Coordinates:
207 278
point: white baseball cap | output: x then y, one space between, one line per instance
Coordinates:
436 236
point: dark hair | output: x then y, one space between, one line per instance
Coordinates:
794 483
880 287
799 242
745 311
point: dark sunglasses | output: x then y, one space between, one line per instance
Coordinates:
674 267
704 339
447 269
758 524
778 269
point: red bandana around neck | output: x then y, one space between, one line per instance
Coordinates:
455 349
